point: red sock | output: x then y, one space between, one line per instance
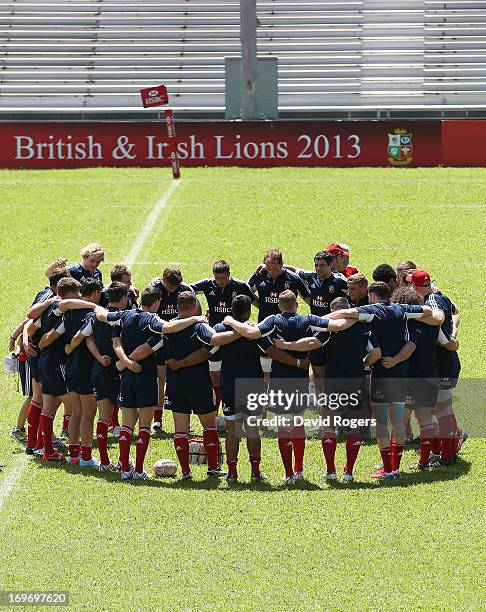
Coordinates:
46 426
217 396
396 455
124 444
232 467
447 430
33 418
285 448
158 415
142 445
353 444
40 440
329 444
65 421
426 443
211 446
181 445
457 438
298 444
114 416
74 450
102 441
386 458
255 465
436 445
86 452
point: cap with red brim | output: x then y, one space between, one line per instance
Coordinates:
419 278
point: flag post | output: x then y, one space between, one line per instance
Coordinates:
158 96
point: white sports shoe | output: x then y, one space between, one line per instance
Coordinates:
141 475
90 463
330 476
298 475
348 477
110 467
127 475
290 480
116 431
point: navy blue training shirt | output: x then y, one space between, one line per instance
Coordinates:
74 320
219 300
80 274
448 362
323 292
168 302
268 290
52 319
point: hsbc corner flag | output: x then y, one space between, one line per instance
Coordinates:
158 96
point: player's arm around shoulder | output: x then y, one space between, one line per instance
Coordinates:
252 332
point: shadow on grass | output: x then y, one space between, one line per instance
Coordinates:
407 479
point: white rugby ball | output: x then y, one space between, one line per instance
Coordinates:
221 424
197 453
165 467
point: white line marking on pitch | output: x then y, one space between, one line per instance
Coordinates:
150 223
20 463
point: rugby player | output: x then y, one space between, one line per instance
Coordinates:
324 285
349 352
358 289
289 377
170 285
138 387
91 255
52 362
340 264
403 269
105 377
384 273
388 386
448 363
269 281
420 353
15 348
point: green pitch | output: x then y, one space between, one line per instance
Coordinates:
163 544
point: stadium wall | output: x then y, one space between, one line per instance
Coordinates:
253 144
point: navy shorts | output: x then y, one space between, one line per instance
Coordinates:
34 368
139 390
318 357
106 383
161 356
188 399
388 390
53 379
422 392
25 378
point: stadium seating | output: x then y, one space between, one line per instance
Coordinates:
336 58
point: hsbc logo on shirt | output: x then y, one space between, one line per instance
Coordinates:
222 307
272 298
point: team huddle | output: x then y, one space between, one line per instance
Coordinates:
390 345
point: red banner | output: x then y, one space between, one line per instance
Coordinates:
220 143
463 143
154 96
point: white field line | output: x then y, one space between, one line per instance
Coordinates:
20 463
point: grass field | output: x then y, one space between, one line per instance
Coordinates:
417 543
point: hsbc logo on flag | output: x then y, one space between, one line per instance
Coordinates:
154 96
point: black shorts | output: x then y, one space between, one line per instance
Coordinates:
345 396
139 390
106 383
160 356
79 381
34 368
189 399
25 378
422 392
388 390
318 357
289 395
53 379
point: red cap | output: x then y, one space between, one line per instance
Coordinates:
335 249
419 278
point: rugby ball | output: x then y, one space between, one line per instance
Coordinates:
221 424
165 467
197 452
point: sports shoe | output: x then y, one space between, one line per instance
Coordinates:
382 475
157 430
29 451
59 445
65 434
109 467
19 434
216 473
348 477
141 475
127 475
89 463
432 458
289 480
418 467
38 452
258 477
330 476
462 438
396 473
131 464
116 431
55 456
186 476
443 462
73 460
299 476
232 477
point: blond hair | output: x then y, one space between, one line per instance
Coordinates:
93 249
